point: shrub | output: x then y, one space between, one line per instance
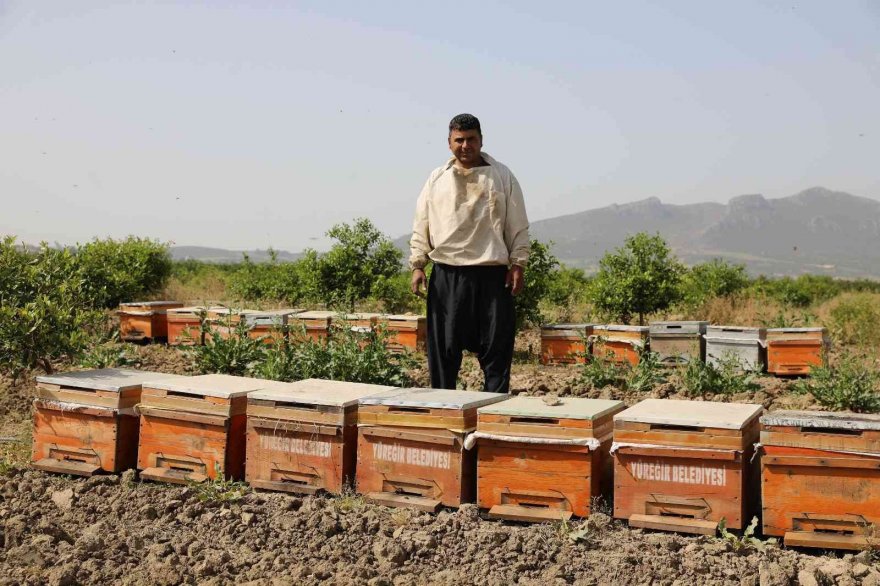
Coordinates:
855 319
123 270
700 379
716 278
803 291
647 373
638 279
395 296
538 276
272 280
599 374
228 349
850 385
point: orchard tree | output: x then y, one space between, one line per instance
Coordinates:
640 278
717 278
539 275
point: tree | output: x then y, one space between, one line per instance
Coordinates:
123 270
362 255
539 275
640 278
716 278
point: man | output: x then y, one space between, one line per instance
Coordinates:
471 223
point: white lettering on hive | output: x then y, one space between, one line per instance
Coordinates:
295 445
662 472
412 456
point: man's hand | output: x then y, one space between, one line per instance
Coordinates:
515 279
419 282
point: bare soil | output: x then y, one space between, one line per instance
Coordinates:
114 529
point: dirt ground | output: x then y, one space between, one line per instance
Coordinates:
114 529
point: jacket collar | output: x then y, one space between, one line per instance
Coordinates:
484 154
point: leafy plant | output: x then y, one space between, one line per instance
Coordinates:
855 319
716 278
748 539
219 489
850 385
228 349
106 355
599 374
640 278
538 276
647 373
122 270
727 377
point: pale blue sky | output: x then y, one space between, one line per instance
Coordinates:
247 125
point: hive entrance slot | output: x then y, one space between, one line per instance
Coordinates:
179 394
672 427
535 420
409 410
309 406
826 430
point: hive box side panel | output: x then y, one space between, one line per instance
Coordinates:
793 358
77 436
134 328
678 349
563 350
819 485
616 351
181 333
169 443
688 487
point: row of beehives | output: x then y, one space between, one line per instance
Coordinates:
674 465
782 351
179 325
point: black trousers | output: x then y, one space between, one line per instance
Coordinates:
469 308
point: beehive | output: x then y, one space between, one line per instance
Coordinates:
619 343
820 479
315 324
543 461
678 342
795 350
565 343
194 429
223 322
405 332
685 465
84 422
270 325
359 321
411 447
745 346
185 325
302 436
145 320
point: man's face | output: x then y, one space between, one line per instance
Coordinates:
465 146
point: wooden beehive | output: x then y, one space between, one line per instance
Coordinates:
223 322
269 325
685 465
84 422
359 321
619 343
314 324
405 332
185 325
820 479
302 436
743 345
543 462
145 320
411 447
565 343
678 342
795 350
194 429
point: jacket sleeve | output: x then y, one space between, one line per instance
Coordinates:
516 226
420 243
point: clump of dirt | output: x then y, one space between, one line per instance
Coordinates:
113 529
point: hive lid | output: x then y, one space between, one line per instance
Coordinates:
362 315
106 379
223 386
682 327
271 316
795 330
691 413
567 326
148 303
189 309
434 398
621 328
315 315
823 419
568 408
315 391
401 317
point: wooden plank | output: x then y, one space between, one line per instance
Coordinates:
827 541
794 437
460 424
390 499
66 467
185 404
811 461
294 426
677 524
218 420
681 439
79 397
281 486
172 476
528 514
534 422
696 454
305 415
384 432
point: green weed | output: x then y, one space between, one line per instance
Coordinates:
219 489
748 539
850 385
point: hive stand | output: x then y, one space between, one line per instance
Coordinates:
194 429
411 447
678 342
405 332
84 422
543 462
302 436
745 345
820 477
619 343
144 320
565 343
795 351
685 465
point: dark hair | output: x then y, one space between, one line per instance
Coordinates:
465 122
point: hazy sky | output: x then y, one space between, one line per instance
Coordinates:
255 124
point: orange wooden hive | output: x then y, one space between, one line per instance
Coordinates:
565 343
543 462
619 343
411 447
84 422
302 436
405 332
685 465
359 321
678 342
145 320
270 325
194 429
185 325
795 350
314 324
820 477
